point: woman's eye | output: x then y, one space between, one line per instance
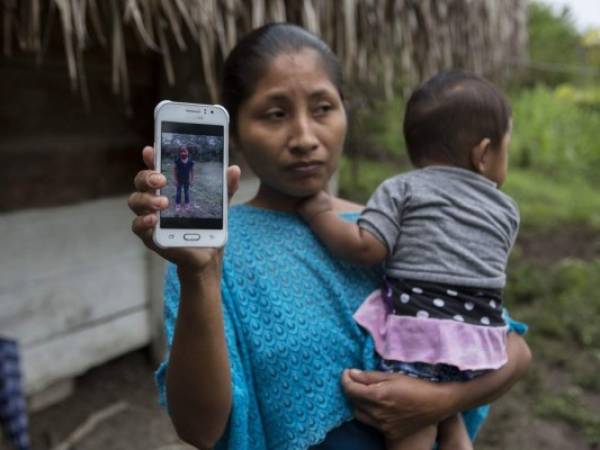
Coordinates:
275 114
323 109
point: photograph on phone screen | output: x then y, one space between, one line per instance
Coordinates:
192 162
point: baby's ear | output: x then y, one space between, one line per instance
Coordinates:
480 155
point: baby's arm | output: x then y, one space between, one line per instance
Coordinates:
346 240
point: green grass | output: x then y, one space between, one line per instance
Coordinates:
556 132
569 407
549 203
559 301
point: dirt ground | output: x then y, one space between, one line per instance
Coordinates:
145 426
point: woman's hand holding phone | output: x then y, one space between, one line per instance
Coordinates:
146 204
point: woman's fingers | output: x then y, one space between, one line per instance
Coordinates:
141 225
148 156
358 392
148 180
233 180
369 377
363 416
142 203
361 397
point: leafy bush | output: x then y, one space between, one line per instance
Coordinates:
558 302
549 202
553 41
554 134
561 307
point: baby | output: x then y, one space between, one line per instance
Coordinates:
444 231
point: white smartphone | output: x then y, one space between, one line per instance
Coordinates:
191 144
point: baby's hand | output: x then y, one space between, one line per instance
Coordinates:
315 205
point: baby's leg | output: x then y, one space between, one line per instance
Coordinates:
424 439
453 434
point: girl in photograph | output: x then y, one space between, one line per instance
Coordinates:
183 174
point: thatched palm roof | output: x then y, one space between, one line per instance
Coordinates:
377 40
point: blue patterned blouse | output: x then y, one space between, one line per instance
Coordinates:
287 308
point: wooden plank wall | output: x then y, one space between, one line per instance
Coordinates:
73 288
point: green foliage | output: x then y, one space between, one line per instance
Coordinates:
386 125
569 407
587 98
558 302
562 310
547 202
591 44
553 40
556 131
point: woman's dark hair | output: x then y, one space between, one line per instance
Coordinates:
450 114
250 58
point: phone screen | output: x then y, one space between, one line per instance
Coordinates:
192 161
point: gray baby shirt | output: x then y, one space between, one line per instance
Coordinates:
443 224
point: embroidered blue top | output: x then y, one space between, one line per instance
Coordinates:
287 307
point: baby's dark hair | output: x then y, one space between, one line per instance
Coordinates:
450 114
250 58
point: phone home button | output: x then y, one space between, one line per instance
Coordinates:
191 237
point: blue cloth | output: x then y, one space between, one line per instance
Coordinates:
287 307
352 435
437 373
13 408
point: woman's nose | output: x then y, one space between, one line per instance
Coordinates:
303 138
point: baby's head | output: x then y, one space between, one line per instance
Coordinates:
459 119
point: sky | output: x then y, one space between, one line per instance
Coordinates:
585 12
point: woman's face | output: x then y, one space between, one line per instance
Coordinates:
292 129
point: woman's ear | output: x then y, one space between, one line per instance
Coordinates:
480 155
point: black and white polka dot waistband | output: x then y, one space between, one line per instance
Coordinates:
438 301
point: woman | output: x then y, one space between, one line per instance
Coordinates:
260 336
